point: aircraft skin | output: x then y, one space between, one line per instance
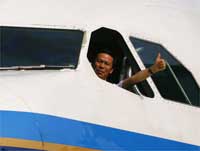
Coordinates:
73 109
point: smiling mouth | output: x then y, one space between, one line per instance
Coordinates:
99 72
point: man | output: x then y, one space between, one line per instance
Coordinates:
103 67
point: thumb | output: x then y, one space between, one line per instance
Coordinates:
158 56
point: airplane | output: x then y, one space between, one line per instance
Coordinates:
52 100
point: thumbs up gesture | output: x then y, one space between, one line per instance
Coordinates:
159 64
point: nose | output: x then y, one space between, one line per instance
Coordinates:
102 65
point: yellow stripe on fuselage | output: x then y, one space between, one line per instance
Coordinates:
28 144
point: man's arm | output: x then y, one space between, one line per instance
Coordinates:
158 65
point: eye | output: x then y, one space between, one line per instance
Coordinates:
100 61
107 63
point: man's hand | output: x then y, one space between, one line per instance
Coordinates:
158 65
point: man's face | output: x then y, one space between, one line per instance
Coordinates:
103 65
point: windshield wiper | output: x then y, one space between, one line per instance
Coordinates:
178 83
39 67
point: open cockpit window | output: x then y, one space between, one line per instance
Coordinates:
176 82
125 65
39 48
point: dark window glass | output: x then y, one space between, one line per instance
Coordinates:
39 46
176 82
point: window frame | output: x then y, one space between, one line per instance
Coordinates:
155 88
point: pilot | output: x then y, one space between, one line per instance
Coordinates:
104 65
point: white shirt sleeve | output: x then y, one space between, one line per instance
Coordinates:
120 83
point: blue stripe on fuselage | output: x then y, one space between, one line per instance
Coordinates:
52 129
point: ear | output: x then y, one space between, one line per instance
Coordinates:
111 71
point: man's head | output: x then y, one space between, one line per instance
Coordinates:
103 64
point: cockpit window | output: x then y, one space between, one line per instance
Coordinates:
176 82
39 46
125 64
